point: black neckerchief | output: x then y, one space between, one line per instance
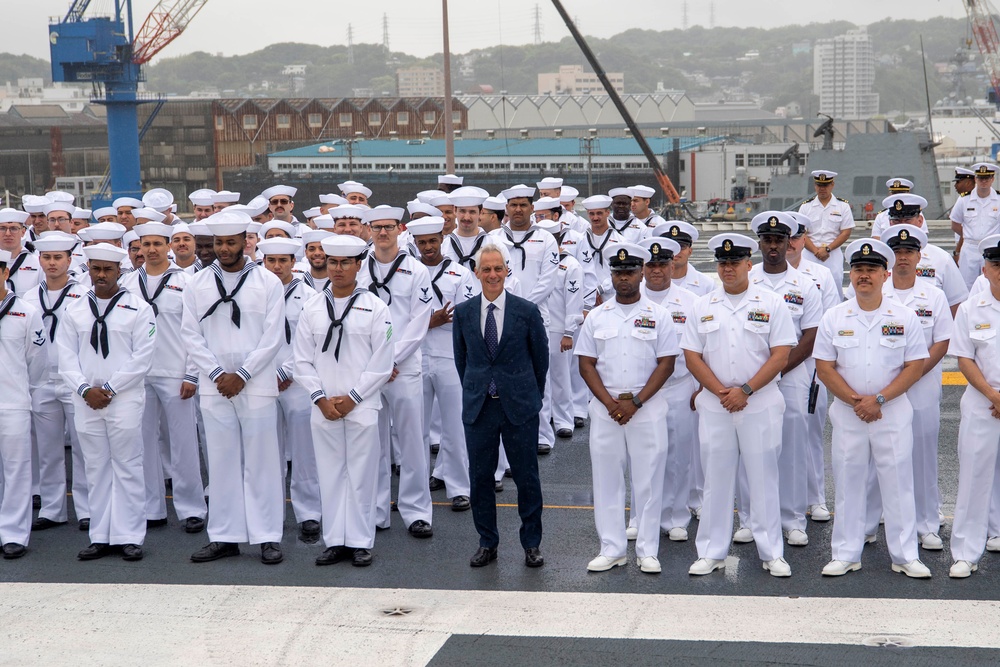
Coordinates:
376 284
462 257
151 300
437 290
628 221
99 332
518 245
13 268
289 288
228 298
51 312
599 250
335 322
8 302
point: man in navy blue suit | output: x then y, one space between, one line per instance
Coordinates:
501 351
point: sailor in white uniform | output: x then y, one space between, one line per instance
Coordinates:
974 217
896 186
233 310
23 272
685 275
622 221
641 196
105 344
833 221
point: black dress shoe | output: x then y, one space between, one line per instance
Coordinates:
379 529
421 528
544 449
395 470
36 502
507 473
579 422
310 528
483 556
12 550
194 524
362 558
498 485
155 523
132 552
84 524
95 551
460 504
270 553
435 448
333 555
393 507
215 551
564 433
41 523
533 557
436 484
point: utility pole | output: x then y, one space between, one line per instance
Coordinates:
385 35
350 44
587 148
449 128
538 25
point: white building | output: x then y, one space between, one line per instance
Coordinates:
843 76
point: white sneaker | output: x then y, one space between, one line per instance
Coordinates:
871 539
649 564
931 542
961 569
797 538
677 534
778 567
696 512
819 512
838 568
706 566
914 569
603 563
993 544
743 536
631 533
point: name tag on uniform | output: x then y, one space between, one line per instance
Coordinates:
984 325
644 323
892 329
794 298
846 332
707 318
758 316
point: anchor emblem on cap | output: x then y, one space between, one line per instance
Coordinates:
727 245
897 184
866 249
898 205
622 254
773 221
655 248
675 230
903 235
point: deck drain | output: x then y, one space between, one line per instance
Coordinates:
888 641
397 611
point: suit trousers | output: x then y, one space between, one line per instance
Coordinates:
295 436
15 476
111 441
519 440
248 499
442 387
52 420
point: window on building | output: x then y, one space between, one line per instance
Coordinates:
315 120
346 120
283 121
429 117
402 117
456 117
374 118
739 160
250 122
220 123
863 186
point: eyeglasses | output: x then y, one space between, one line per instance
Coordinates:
281 202
11 229
383 228
63 219
340 263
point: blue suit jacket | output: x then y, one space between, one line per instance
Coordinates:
519 368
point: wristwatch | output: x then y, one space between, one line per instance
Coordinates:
636 401
747 389
880 399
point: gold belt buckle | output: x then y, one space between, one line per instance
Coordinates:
627 396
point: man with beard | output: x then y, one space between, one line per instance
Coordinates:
182 245
622 220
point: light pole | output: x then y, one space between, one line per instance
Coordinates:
449 129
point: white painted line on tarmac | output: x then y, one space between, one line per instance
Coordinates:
106 624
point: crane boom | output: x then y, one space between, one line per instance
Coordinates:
164 24
76 10
984 29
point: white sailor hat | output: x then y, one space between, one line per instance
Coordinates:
643 191
105 211
315 235
336 200
60 195
823 176
34 203
623 256
129 237
517 191
728 246
962 172
280 225
870 251
905 236
225 197
131 202
774 222
435 198
547 203
549 183
568 193
327 221
278 246
548 224
106 231
990 248
984 169
346 211
343 245
256 206
228 223
802 222
382 212
200 229
348 187
82 214
253 227
429 225
468 195
597 202
13 215
105 252
678 230
154 229
180 228
202 197
84 234
897 184
450 179
417 206
498 203
150 214
64 206
55 242
904 205
311 213
5 256
286 190
620 192
661 249
160 199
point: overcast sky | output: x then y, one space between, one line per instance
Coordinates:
241 26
